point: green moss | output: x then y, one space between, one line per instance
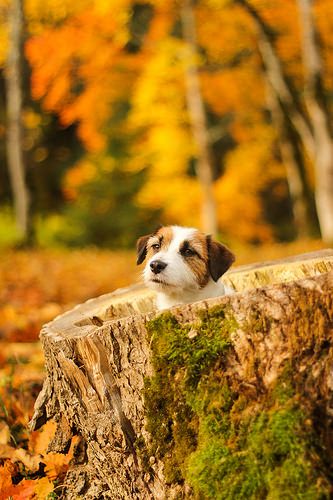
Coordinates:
194 347
182 356
284 388
270 455
208 433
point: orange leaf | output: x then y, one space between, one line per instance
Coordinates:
6 451
40 440
22 491
6 472
75 441
56 464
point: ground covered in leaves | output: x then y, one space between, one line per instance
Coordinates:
36 286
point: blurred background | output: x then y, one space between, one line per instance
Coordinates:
119 115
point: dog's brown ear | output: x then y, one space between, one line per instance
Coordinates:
220 258
141 248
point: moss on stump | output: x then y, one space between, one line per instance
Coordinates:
262 431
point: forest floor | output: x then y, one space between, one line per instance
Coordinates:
36 286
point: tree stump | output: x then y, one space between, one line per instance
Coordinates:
124 378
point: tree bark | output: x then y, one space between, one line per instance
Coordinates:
198 119
98 357
13 79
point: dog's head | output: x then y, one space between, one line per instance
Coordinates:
181 258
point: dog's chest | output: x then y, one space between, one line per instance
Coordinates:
212 289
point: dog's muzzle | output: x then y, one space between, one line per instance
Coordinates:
157 266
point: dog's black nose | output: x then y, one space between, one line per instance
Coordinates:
157 266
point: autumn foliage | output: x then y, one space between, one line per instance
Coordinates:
131 52
43 467
110 153
115 72
49 284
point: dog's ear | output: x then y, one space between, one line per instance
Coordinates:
141 248
220 258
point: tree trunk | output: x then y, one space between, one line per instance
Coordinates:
14 119
303 208
105 381
313 126
199 123
319 113
282 85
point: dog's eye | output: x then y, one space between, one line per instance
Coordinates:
156 246
188 252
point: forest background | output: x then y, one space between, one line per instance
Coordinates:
118 115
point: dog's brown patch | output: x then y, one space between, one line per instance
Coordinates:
198 261
162 237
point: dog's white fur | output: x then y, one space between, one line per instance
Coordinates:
178 283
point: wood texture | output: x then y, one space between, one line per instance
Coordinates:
98 355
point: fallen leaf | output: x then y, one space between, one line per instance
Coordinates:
21 491
56 464
4 433
74 443
40 440
6 451
6 472
30 462
43 488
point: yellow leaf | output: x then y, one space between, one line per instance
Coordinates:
43 488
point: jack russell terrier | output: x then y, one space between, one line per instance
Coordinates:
183 265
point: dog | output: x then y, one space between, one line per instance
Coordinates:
183 265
